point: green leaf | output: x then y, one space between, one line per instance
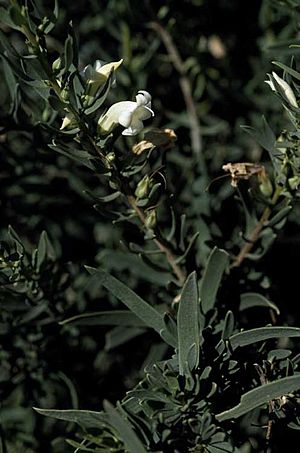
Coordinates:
16 17
261 395
120 335
287 69
32 314
33 68
135 303
261 334
15 237
228 325
57 104
149 395
217 262
9 78
188 249
169 333
44 250
86 419
101 97
121 261
7 19
250 300
105 318
183 229
68 53
78 155
108 198
282 214
266 138
188 324
123 427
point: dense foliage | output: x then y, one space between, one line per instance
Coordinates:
149 199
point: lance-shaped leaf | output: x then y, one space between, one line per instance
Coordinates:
188 324
105 318
250 300
287 69
261 395
261 334
120 335
86 419
135 303
266 138
217 263
123 427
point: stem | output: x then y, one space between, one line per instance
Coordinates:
246 249
83 127
180 274
271 407
185 85
57 89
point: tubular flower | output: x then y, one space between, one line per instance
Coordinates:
128 114
287 90
67 121
97 75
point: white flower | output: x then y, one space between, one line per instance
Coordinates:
97 75
287 90
128 114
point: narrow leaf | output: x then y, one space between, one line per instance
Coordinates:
282 214
120 335
261 334
287 69
217 263
135 303
261 395
250 300
68 53
266 138
105 318
188 324
124 429
86 419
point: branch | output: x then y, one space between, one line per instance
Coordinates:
180 274
185 85
246 249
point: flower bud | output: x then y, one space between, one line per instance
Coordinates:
56 65
294 182
111 156
151 219
68 122
64 94
143 187
285 87
266 187
86 100
96 75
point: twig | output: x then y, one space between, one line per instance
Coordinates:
246 249
58 91
185 85
271 407
180 274
131 199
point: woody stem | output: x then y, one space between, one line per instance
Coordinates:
180 274
246 249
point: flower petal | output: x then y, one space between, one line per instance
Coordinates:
135 127
143 112
125 118
106 69
271 84
67 121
